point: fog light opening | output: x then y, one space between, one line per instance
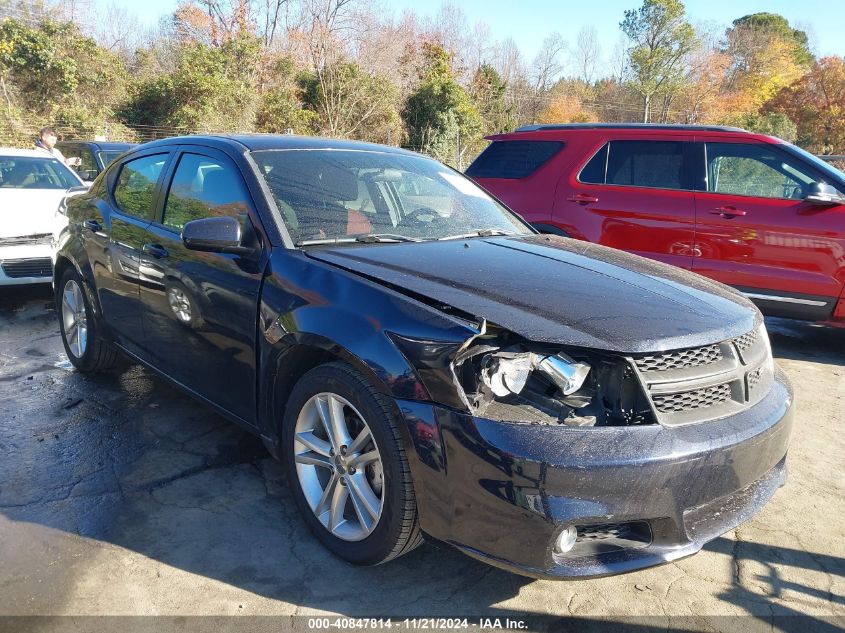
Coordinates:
566 539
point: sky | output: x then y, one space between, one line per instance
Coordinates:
528 22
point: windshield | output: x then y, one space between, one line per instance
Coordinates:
826 168
29 172
370 196
109 155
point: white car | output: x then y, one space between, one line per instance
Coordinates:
32 185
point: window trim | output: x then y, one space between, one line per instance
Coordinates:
687 172
773 146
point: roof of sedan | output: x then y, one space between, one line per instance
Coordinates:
257 142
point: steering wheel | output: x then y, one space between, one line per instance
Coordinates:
421 215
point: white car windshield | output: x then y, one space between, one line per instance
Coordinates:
330 196
31 172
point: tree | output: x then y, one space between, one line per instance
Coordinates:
489 92
660 39
54 73
440 118
281 109
351 104
816 103
587 53
766 56
213 88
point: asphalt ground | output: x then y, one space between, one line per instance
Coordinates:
121 496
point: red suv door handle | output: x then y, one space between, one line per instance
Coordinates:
582 198
728 212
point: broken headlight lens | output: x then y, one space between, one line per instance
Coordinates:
506 373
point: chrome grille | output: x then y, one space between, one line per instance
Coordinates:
17 268
678 360
691 400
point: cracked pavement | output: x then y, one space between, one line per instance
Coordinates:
121 496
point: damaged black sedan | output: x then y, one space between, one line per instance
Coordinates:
425 364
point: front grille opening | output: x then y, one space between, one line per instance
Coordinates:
680 360
691 400
18 268
603 538
746 341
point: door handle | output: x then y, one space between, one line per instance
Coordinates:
582 198
728 212
93 226
155 250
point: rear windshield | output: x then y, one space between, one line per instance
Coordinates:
512 159
29 172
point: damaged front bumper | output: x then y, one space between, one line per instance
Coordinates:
638 495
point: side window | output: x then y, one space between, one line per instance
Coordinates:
594 171
88 164
655 164
136 183
755 170
203 187
512 159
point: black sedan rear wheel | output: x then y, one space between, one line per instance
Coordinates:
347 469
85 347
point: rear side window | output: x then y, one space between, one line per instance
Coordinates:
594 171
136 183
657 164
654 164
512 159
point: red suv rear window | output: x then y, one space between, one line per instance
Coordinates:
512 159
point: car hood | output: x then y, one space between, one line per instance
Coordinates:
26 212
557 290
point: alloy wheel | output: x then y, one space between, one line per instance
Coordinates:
339 466
74 319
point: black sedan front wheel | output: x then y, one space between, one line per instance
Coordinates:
346 466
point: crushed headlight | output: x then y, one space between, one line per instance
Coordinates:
506 373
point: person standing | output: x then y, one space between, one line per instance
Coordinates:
47 138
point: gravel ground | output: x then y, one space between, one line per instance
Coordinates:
121 496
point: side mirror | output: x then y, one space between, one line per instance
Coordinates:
214 235
821 193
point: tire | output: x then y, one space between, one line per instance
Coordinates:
81 334
358 537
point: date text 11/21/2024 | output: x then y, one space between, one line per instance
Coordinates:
435 624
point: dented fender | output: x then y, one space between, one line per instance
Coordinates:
311 304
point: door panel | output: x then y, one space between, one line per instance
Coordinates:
201 308
113 241
635 196
755 232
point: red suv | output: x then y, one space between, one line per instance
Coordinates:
749 210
